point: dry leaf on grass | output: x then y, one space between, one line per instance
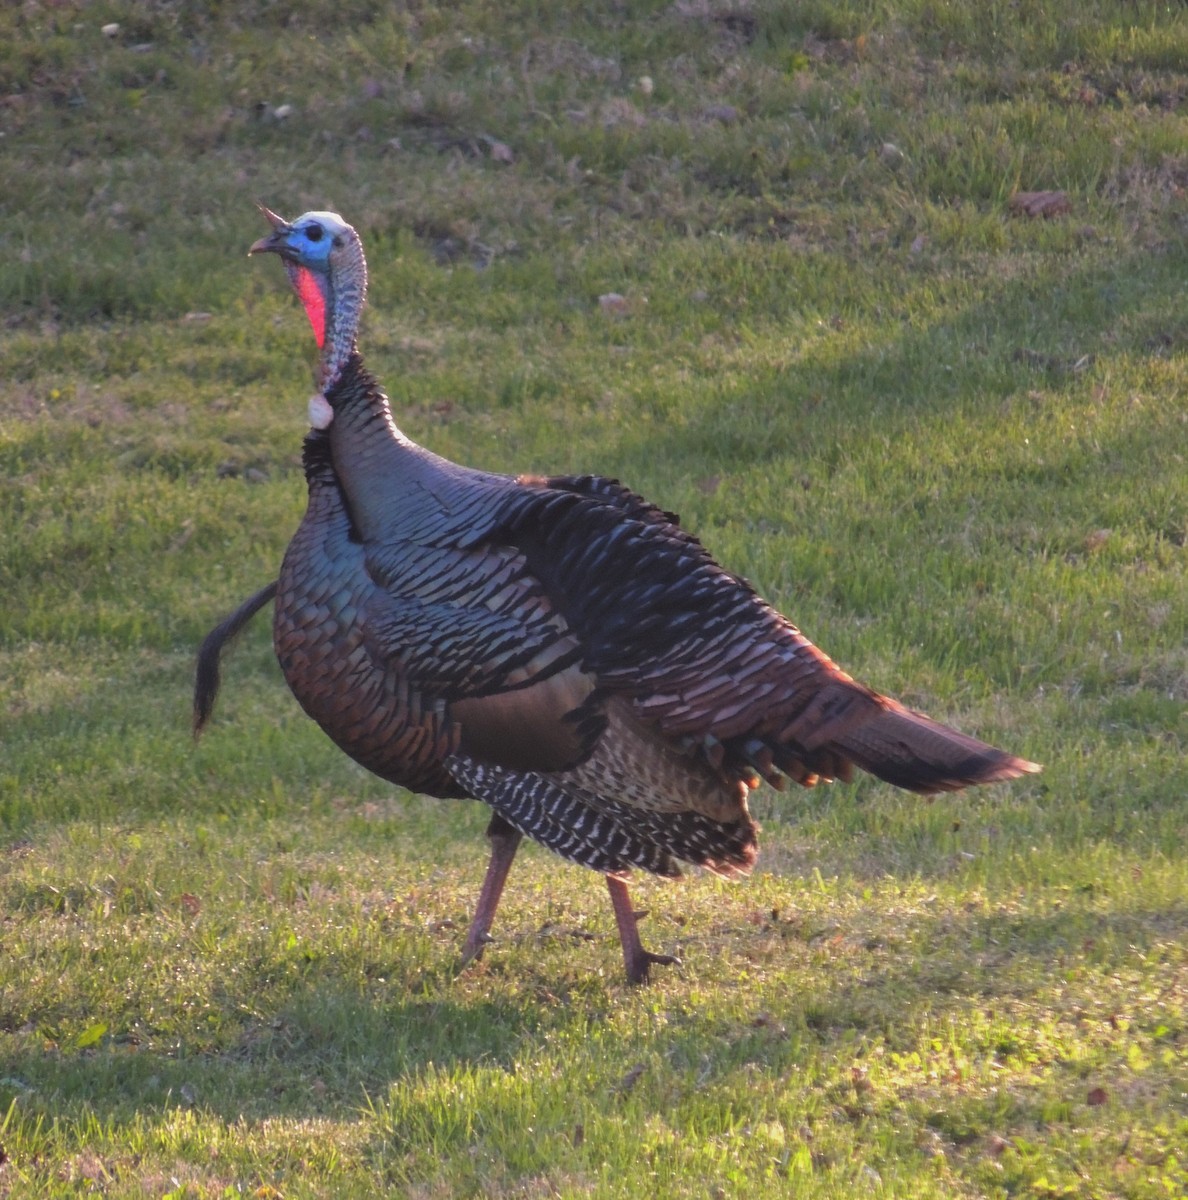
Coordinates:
614 303
1040 204
631 1078
727 114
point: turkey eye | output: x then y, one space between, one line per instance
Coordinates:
314 233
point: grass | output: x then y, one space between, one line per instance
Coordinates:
948 441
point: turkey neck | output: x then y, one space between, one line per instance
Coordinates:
370 455
347 290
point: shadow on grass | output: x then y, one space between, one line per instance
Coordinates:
324 1052
1044 331
331 1047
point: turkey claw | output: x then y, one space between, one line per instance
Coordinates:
473 947
639 968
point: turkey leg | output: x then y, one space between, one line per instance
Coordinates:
504 842
636 959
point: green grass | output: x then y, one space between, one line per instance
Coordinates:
948 441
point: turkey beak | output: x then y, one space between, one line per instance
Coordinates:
275 241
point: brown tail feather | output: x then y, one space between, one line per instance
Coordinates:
912 751
206 672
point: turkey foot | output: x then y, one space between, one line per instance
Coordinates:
505 841
636 959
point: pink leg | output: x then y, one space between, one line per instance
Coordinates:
636 959
504 842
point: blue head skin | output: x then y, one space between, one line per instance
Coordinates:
324 260
309 241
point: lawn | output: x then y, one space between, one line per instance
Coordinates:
762 261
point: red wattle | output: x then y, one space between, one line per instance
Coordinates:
310 295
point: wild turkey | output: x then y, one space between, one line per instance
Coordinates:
558 648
